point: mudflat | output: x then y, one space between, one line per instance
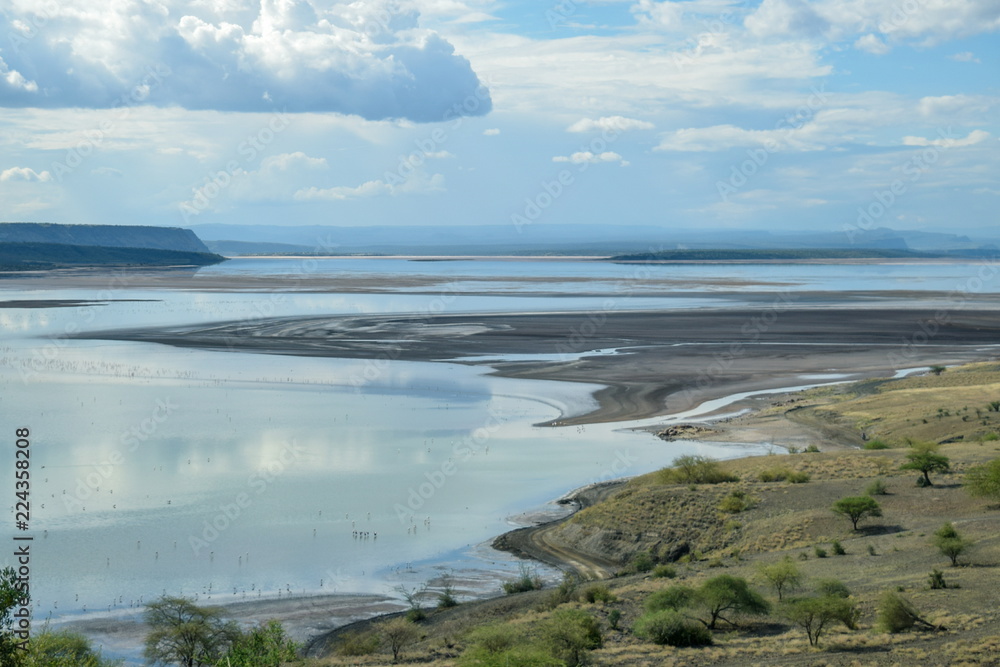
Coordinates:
667 361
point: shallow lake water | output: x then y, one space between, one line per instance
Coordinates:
232 475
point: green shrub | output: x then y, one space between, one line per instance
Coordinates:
991 437
598 593
832 587
820 551
614 618
876 444
674 597
936 580
643 562
357 644
798 477
664 572
525 581
570 634
812 449
736 502
877 488
983 481
895 613
695 469
669 628
838 548
773 475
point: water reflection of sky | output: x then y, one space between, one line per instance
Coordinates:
253 478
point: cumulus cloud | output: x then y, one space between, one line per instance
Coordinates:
871 44
974 137
491 132
586 157
609 123
24 174
371 59
928 21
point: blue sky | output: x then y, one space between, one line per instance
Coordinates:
781 114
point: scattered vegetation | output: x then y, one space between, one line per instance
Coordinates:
783 576
670 628
897 614
926 459
857 508
695 469
526 580
983 481
950 543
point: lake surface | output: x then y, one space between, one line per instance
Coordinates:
232 475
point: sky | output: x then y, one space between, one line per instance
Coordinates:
782 115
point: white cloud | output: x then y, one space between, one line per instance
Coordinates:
586 157
491 132
872 44
974 137
107 171
370 59
965 57
25 174
416 183
609 123
927 21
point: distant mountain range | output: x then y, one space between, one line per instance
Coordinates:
40 246
600 240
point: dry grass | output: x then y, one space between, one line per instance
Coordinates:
792 519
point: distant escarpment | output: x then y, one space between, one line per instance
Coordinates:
28 246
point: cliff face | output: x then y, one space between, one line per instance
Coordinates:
107 236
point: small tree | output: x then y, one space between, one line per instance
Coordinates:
950 543
670 628
857 508
570 633
181 632
446 596
264 646
398 633
983 481
896 614
412 597
926 459
816 614
673 598
726 594
781 576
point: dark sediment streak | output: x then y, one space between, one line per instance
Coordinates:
669 360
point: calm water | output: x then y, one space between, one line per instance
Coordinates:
231 475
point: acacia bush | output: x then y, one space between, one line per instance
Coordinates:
695 469
670 628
